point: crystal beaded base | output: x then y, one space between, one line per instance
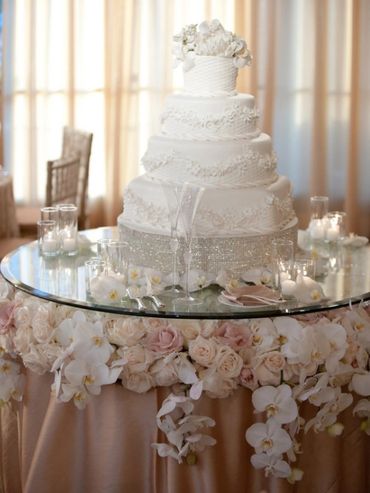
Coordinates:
211 255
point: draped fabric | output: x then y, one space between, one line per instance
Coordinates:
105 67
44 441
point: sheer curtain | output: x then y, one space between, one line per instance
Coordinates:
105 66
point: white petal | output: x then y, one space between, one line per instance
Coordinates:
361 384
263 397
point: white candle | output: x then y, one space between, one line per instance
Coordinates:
288 287
317 229
49 245
332 233
284 276
69 244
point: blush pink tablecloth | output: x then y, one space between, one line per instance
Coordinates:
53 447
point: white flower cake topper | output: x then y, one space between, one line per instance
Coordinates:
209 39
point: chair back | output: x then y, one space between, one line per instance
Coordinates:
78 143
62 181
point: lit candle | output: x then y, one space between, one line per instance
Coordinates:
288 287
317 229
69 244
332 233
49 245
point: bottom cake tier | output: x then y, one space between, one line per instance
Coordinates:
211 255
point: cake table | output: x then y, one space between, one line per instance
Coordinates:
47 445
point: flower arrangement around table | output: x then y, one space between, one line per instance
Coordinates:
284 361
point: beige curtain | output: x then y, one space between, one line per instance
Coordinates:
311 76
105 66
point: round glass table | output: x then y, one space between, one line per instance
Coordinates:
62 280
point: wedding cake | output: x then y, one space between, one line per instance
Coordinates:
210 137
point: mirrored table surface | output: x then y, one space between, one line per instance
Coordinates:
61 279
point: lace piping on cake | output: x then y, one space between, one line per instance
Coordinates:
275 214
213 121
145 212
260 168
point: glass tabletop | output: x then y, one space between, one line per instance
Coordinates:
62 279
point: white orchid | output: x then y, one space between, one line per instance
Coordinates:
258 276
183 432
228 279
327 415
272 464
11 381
277 402
361 384
107 289
268 437
264 335
362 409
316 390
78 393
290 333
199 280
81 373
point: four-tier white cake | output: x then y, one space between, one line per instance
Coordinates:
210 137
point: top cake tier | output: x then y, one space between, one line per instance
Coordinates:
210 76
211 57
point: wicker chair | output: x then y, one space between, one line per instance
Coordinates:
76 143
62 181
79 143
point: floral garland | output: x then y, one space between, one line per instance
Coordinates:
285 361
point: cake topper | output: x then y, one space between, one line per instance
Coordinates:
209 39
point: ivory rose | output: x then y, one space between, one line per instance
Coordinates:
137 358
164 374
137 382
268 368
228 363
164 339
23 338
126 331
42 325
203 351
22 317
190 329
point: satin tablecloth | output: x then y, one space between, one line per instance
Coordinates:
106 448
8 221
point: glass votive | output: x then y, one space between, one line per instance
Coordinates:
319 206
118 257
94 267
283 260
102 248
48 237
304 267
335 225
50 214
68 215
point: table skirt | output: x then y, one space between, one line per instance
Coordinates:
48 446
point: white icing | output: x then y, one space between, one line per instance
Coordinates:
209 136
211 76
197 118
236 212
214 164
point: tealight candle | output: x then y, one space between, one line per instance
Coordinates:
49 245
317 229
332 233
69 244
288 287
